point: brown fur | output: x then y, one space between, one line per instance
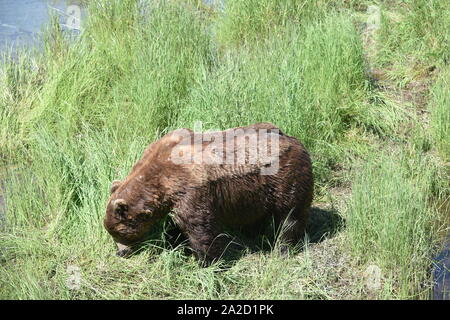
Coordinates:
207 197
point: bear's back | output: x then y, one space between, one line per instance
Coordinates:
230 153
183 158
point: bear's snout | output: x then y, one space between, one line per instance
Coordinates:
123 250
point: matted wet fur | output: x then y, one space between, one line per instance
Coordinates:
206 198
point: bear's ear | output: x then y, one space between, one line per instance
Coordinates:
120 207
115 185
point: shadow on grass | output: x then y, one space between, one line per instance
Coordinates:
322 224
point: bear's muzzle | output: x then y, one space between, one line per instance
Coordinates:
123 250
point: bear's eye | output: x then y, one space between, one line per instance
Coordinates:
120 212
143 216
120 208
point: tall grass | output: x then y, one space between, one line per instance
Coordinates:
414 38
78 115
440 114
20 79
104 98
392 221
311 82
247 22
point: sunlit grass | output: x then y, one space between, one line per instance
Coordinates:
78 114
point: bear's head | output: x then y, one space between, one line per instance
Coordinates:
130 215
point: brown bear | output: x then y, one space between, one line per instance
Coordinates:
211 181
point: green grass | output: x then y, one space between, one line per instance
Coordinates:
440 114
311 83
252 21
78 114
392 213
413 39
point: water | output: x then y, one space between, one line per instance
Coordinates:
441 273
21 21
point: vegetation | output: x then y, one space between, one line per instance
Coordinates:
372 106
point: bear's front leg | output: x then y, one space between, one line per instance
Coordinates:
198 223
207 248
